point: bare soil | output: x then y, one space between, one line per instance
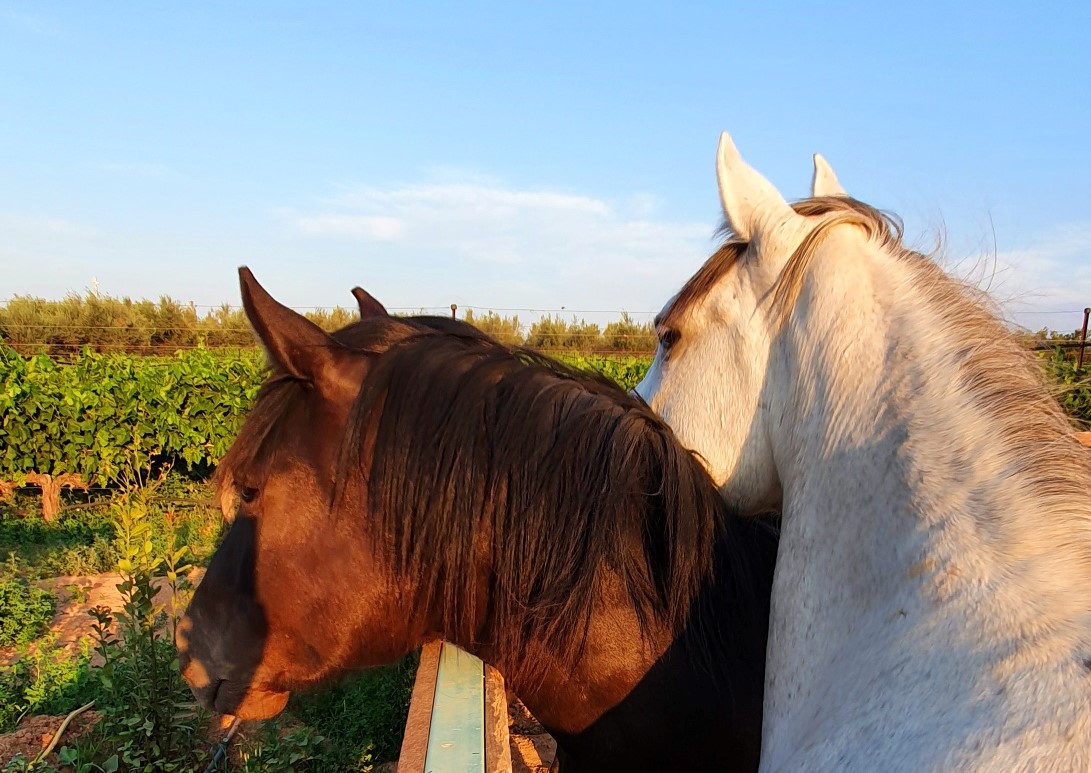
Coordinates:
532 748
34 734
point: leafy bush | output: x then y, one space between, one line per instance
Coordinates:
624 371
45 679
25 609
296 750
1074 392
93 415
148 712
89 417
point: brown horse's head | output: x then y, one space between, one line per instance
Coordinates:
403 479
267 606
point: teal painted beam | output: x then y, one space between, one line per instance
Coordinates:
456 739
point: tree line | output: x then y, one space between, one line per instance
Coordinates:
104 323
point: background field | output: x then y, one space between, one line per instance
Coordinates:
131 405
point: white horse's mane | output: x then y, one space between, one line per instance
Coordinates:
996 370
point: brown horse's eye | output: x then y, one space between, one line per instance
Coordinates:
247 494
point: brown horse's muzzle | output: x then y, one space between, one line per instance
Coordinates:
223 687
222 638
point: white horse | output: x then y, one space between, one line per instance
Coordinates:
932 600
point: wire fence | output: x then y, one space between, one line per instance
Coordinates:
107 324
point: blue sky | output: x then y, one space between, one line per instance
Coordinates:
525 155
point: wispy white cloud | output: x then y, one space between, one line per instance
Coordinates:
534 248
378 228
499 245
1046 283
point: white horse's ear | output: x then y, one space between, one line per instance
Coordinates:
824 182
749 199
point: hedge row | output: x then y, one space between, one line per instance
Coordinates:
99 413
94 416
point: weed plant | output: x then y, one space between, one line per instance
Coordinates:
1074 389
25 609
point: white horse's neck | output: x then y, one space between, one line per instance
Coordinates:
924 587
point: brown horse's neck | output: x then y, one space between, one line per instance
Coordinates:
673 700
569 698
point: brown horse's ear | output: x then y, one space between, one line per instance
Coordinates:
369 307
295 345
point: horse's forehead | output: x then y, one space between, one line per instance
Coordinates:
690 302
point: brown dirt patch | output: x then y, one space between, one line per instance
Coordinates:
532 748
35 733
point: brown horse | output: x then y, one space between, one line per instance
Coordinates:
406 479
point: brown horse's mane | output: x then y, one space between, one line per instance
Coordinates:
472 454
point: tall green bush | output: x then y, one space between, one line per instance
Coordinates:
89 416
1073 390
25 609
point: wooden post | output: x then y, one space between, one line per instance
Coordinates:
1083 340
415 740
458 719
454 308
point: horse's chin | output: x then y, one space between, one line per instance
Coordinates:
256 703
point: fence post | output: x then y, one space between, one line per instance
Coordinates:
1083 340
454 308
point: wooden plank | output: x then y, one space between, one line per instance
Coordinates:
497 746
456 739
415 741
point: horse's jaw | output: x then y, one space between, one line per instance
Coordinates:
733 444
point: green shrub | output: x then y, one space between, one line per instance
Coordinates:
626 372
1074 391
296 750
89 417
45 679
148 711
25 609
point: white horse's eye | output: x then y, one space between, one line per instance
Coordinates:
668 337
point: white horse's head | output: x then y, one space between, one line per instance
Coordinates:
709 375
